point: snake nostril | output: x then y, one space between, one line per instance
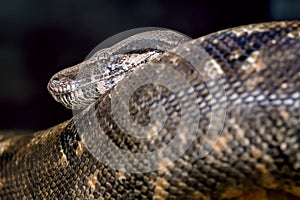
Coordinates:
55 80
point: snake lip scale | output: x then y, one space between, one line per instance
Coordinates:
94 154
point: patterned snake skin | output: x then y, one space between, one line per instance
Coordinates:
224 108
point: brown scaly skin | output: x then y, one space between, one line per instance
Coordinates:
256 157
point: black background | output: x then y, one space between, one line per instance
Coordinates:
39 38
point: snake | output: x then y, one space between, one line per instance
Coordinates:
159 115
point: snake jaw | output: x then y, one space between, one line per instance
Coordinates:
69 85
59 93
63 84
68 92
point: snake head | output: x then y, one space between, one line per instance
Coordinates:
79 86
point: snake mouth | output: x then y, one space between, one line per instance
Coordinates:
61 93
64 86
80 93
65 81
60 86
71 94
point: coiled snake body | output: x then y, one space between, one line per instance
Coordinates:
245 79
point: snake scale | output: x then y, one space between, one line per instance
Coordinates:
245 79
